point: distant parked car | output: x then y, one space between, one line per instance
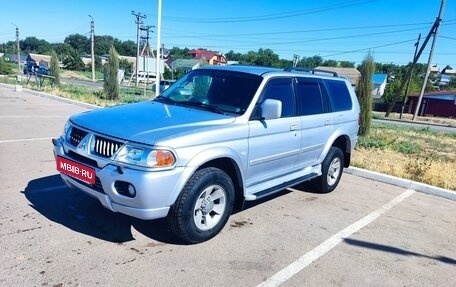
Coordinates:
164 84
31 68
42 70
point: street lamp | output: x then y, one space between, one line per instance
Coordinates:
157 67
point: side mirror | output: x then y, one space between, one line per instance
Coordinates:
271 109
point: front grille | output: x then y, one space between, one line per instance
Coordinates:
76 136
105 147
82 159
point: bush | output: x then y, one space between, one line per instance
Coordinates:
111 84
5 68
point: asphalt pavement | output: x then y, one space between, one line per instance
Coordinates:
365 233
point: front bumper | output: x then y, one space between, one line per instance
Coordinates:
156 191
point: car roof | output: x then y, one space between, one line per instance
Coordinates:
256 70
268 71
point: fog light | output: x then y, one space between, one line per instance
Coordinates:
125 188
131 190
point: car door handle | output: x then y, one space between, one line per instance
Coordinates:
327 122
294 128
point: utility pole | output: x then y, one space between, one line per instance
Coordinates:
92 48
139 16
295 60
146 52
412 66
157 60
431 53
18 51
409 79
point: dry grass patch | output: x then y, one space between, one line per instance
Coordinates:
417 154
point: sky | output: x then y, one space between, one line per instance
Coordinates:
343 30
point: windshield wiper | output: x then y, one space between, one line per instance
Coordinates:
211 108
164 100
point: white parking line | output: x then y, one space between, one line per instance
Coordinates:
25 140
307 259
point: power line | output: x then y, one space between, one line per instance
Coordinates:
446 37
306 31
271 16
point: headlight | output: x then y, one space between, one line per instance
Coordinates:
66 129
145 157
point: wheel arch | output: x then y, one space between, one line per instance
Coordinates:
341 141
344 144
230 167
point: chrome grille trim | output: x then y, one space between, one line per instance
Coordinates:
76 136
105 147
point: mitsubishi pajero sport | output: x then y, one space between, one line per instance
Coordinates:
219 136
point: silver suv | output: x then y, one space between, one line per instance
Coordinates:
219 136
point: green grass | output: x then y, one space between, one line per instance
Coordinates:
88 74
86 94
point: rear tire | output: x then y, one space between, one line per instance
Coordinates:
331 169
203 207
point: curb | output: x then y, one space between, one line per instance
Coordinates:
401 182
57 98
415 122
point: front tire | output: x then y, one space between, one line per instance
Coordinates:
331 169
203 207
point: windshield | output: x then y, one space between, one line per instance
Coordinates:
224 91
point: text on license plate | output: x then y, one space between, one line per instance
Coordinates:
75 170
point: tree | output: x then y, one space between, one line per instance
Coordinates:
98 63
346 64
363 92
5 68
55 67
126 65
392 89
35 45
452 83
79 43
311 62
111 84
330 63
72 61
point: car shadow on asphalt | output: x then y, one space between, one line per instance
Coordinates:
395 250
82 213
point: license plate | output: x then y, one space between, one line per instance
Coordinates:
76 170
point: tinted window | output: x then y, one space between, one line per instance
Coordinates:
339 95
282 90
309 98
228 91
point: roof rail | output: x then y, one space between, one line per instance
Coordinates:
310 70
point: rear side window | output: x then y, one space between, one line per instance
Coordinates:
339 95
310 98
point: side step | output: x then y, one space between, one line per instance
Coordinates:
282 186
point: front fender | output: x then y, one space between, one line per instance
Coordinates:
202 158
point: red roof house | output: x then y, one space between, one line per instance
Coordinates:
212 57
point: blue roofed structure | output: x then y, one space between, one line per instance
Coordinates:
379 82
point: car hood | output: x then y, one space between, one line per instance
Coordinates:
149 122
